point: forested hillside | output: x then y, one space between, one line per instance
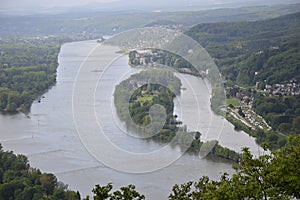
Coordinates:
249 52
19 181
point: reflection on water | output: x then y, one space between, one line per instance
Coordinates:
50 140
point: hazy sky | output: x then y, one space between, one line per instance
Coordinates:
49 3
24 5
34 5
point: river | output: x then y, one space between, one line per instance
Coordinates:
50 138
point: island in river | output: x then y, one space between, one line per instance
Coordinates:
159 87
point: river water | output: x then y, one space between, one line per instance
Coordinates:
50 136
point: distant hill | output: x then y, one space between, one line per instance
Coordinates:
104 22
264 51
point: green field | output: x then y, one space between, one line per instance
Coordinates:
233 101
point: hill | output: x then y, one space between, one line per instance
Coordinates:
248 52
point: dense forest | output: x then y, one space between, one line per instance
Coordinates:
283 113
26 72
21 182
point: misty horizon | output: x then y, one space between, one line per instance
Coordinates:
18 7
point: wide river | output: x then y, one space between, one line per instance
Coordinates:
50 135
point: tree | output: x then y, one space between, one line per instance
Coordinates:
124 193
49 182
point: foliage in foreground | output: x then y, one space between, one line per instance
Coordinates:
20 182
274 176
126 193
